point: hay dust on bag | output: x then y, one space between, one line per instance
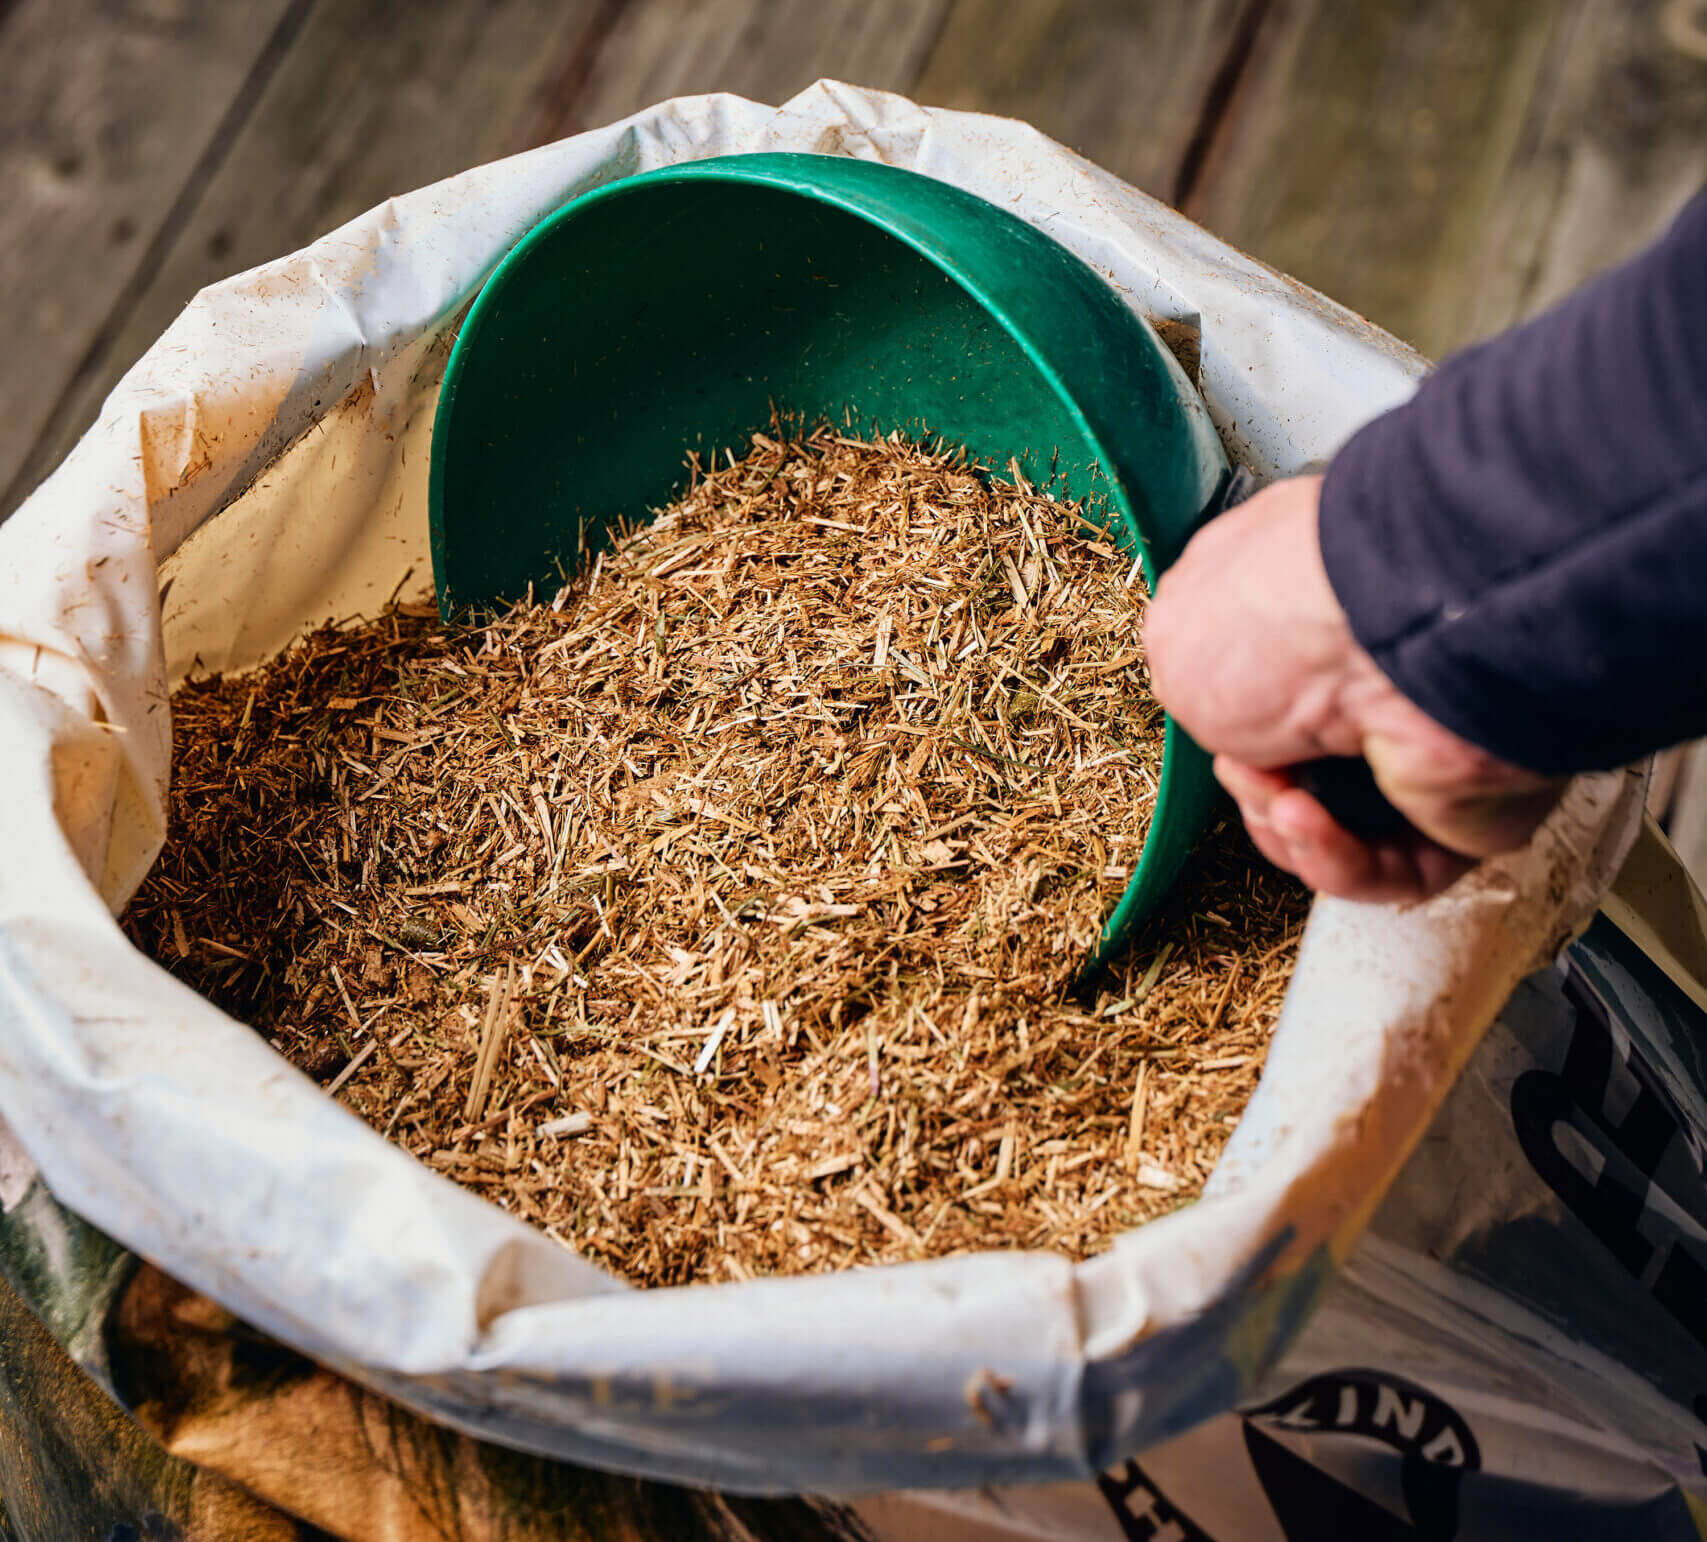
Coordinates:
719 916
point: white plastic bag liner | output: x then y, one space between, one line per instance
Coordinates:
264 468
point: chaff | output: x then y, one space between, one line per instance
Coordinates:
720 915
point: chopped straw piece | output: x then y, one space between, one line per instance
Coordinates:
720 916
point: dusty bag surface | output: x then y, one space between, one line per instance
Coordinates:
264 467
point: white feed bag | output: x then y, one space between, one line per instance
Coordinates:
264 468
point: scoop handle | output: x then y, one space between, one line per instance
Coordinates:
1343 784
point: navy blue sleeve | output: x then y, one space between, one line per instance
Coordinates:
1522 547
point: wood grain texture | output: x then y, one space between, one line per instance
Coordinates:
1367 146
1448 169
375 97
1123 84
765 49
98 141
380 97
1610 153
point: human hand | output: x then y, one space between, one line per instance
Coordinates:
1249 649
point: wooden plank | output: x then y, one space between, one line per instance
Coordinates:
1448 169
1608 159
1125 85
378 98
375 97
106 108
1367 146
765 49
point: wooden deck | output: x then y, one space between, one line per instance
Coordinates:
1444 166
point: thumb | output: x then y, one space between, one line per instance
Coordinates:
1478 810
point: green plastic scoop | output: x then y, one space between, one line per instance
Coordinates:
670 312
